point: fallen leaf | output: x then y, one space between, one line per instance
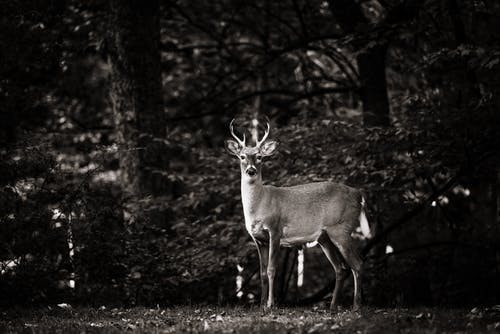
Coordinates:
315 328
64 305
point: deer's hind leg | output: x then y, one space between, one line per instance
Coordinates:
344 245
339 266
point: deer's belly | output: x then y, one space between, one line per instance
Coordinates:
299 234
298 240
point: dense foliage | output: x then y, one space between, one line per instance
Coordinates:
66 230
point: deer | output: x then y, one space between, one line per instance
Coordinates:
325 212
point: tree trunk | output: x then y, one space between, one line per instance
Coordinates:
136 94
371 66
371 63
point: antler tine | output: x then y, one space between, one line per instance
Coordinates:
231 128
260 142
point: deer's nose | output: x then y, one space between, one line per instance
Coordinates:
251 171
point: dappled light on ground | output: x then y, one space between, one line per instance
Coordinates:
251 320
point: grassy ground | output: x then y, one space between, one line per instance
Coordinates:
249 320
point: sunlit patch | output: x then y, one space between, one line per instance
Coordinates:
413 195
113 148
389 249
311 244
64 305
24 187
107 176
57 214
8 265
300 268
239 281
443 200
127 216
88 168
461 190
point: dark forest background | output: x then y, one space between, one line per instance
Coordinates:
115 187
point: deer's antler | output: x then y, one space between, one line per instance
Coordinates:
231 128
268 127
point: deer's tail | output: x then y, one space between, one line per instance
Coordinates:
363 221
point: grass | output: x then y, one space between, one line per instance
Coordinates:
205 319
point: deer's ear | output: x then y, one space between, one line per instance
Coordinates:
232 147
269 147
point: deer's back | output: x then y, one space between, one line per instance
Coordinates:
305 211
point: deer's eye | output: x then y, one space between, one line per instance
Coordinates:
242 157
258 157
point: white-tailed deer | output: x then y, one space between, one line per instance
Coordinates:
325 212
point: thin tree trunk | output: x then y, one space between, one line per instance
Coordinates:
136 94
371 66
371 63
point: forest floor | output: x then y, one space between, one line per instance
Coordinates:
205 319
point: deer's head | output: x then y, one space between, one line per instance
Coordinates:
251 157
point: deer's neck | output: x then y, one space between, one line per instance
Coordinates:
251 194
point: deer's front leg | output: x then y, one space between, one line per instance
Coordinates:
274 246
263 251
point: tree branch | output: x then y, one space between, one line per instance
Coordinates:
296 96
411 214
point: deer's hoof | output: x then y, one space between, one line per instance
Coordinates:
264 309
269 307
334 308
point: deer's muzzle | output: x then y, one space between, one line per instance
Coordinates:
251 171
